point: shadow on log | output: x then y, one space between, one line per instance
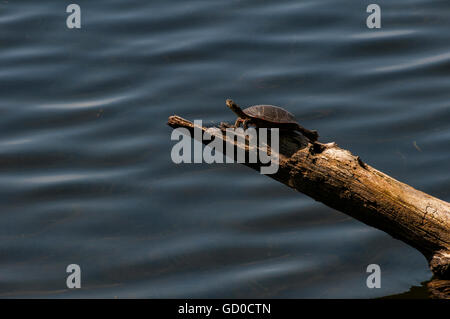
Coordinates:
341 180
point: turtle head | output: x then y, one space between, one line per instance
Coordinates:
230 103
234 107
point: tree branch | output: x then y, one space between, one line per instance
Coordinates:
341 180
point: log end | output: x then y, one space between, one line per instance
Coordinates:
439 289
440 264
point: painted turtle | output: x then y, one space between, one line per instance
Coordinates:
269 116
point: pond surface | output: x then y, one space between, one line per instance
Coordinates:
86 174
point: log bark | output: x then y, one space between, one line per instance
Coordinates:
341 180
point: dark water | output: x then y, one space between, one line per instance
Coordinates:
86 174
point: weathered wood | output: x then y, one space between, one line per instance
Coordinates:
341 180
439 289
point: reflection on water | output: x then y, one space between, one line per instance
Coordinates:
86 175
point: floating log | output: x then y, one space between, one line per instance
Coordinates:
343 181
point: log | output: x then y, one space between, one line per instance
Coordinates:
343 181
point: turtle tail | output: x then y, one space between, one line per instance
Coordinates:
311 135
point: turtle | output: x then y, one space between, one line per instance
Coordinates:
269 116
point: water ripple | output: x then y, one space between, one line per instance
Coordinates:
86 174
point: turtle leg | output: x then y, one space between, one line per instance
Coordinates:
245 123
238 122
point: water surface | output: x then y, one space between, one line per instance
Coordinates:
86 175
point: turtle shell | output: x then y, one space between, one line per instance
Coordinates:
270 113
